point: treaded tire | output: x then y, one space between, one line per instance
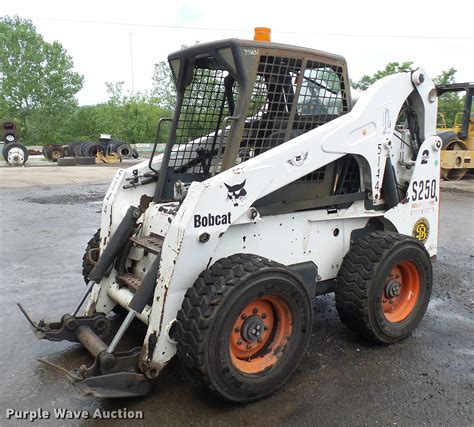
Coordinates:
9 146
85 160
124 150
366 273
87 265
207 319
54 152
72 147
67 161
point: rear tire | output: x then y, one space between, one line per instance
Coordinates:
244 326
384 286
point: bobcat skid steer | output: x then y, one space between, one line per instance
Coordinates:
274 187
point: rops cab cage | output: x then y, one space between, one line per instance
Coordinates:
238 98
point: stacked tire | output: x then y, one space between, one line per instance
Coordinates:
122 149
15 154
54 152
85 152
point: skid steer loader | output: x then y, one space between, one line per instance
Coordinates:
275 187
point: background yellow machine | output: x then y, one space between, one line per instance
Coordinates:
456 130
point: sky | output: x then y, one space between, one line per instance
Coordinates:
106 38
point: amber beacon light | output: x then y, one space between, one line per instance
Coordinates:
262 34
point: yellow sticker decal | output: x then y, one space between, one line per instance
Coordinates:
421 230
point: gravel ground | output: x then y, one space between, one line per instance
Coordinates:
426 379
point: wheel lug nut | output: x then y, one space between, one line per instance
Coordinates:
254 331
239 342
255 310
258 327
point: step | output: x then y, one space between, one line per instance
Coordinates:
129 280
152 243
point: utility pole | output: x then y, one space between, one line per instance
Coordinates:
131 63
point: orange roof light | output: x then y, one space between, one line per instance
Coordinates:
262 34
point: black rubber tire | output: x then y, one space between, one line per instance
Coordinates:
78 148
9 146
362 279
90 150
114 144
72 148
124 150
67 161
86 147
135 154
212 305
85 160
54 152
93 148
87 265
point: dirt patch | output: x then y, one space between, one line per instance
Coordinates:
66 199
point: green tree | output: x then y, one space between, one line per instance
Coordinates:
449 103
390 68
37 82
129 117
164 89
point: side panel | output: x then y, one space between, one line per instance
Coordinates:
294 238
418 214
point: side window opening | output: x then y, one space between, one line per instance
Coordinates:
337 184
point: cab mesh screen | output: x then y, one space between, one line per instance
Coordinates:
203 110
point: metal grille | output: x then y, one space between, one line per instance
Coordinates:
203 110
270 106
289 98
350 177
317 175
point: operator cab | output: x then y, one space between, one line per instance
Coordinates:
239 98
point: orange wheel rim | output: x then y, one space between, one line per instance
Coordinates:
401 292
260 334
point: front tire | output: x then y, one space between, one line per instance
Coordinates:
91 255
384 286
244 326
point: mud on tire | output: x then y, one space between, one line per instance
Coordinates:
90 255
244 326
383 287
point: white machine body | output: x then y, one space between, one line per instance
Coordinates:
214 221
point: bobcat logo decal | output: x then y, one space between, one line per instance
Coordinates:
236 193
